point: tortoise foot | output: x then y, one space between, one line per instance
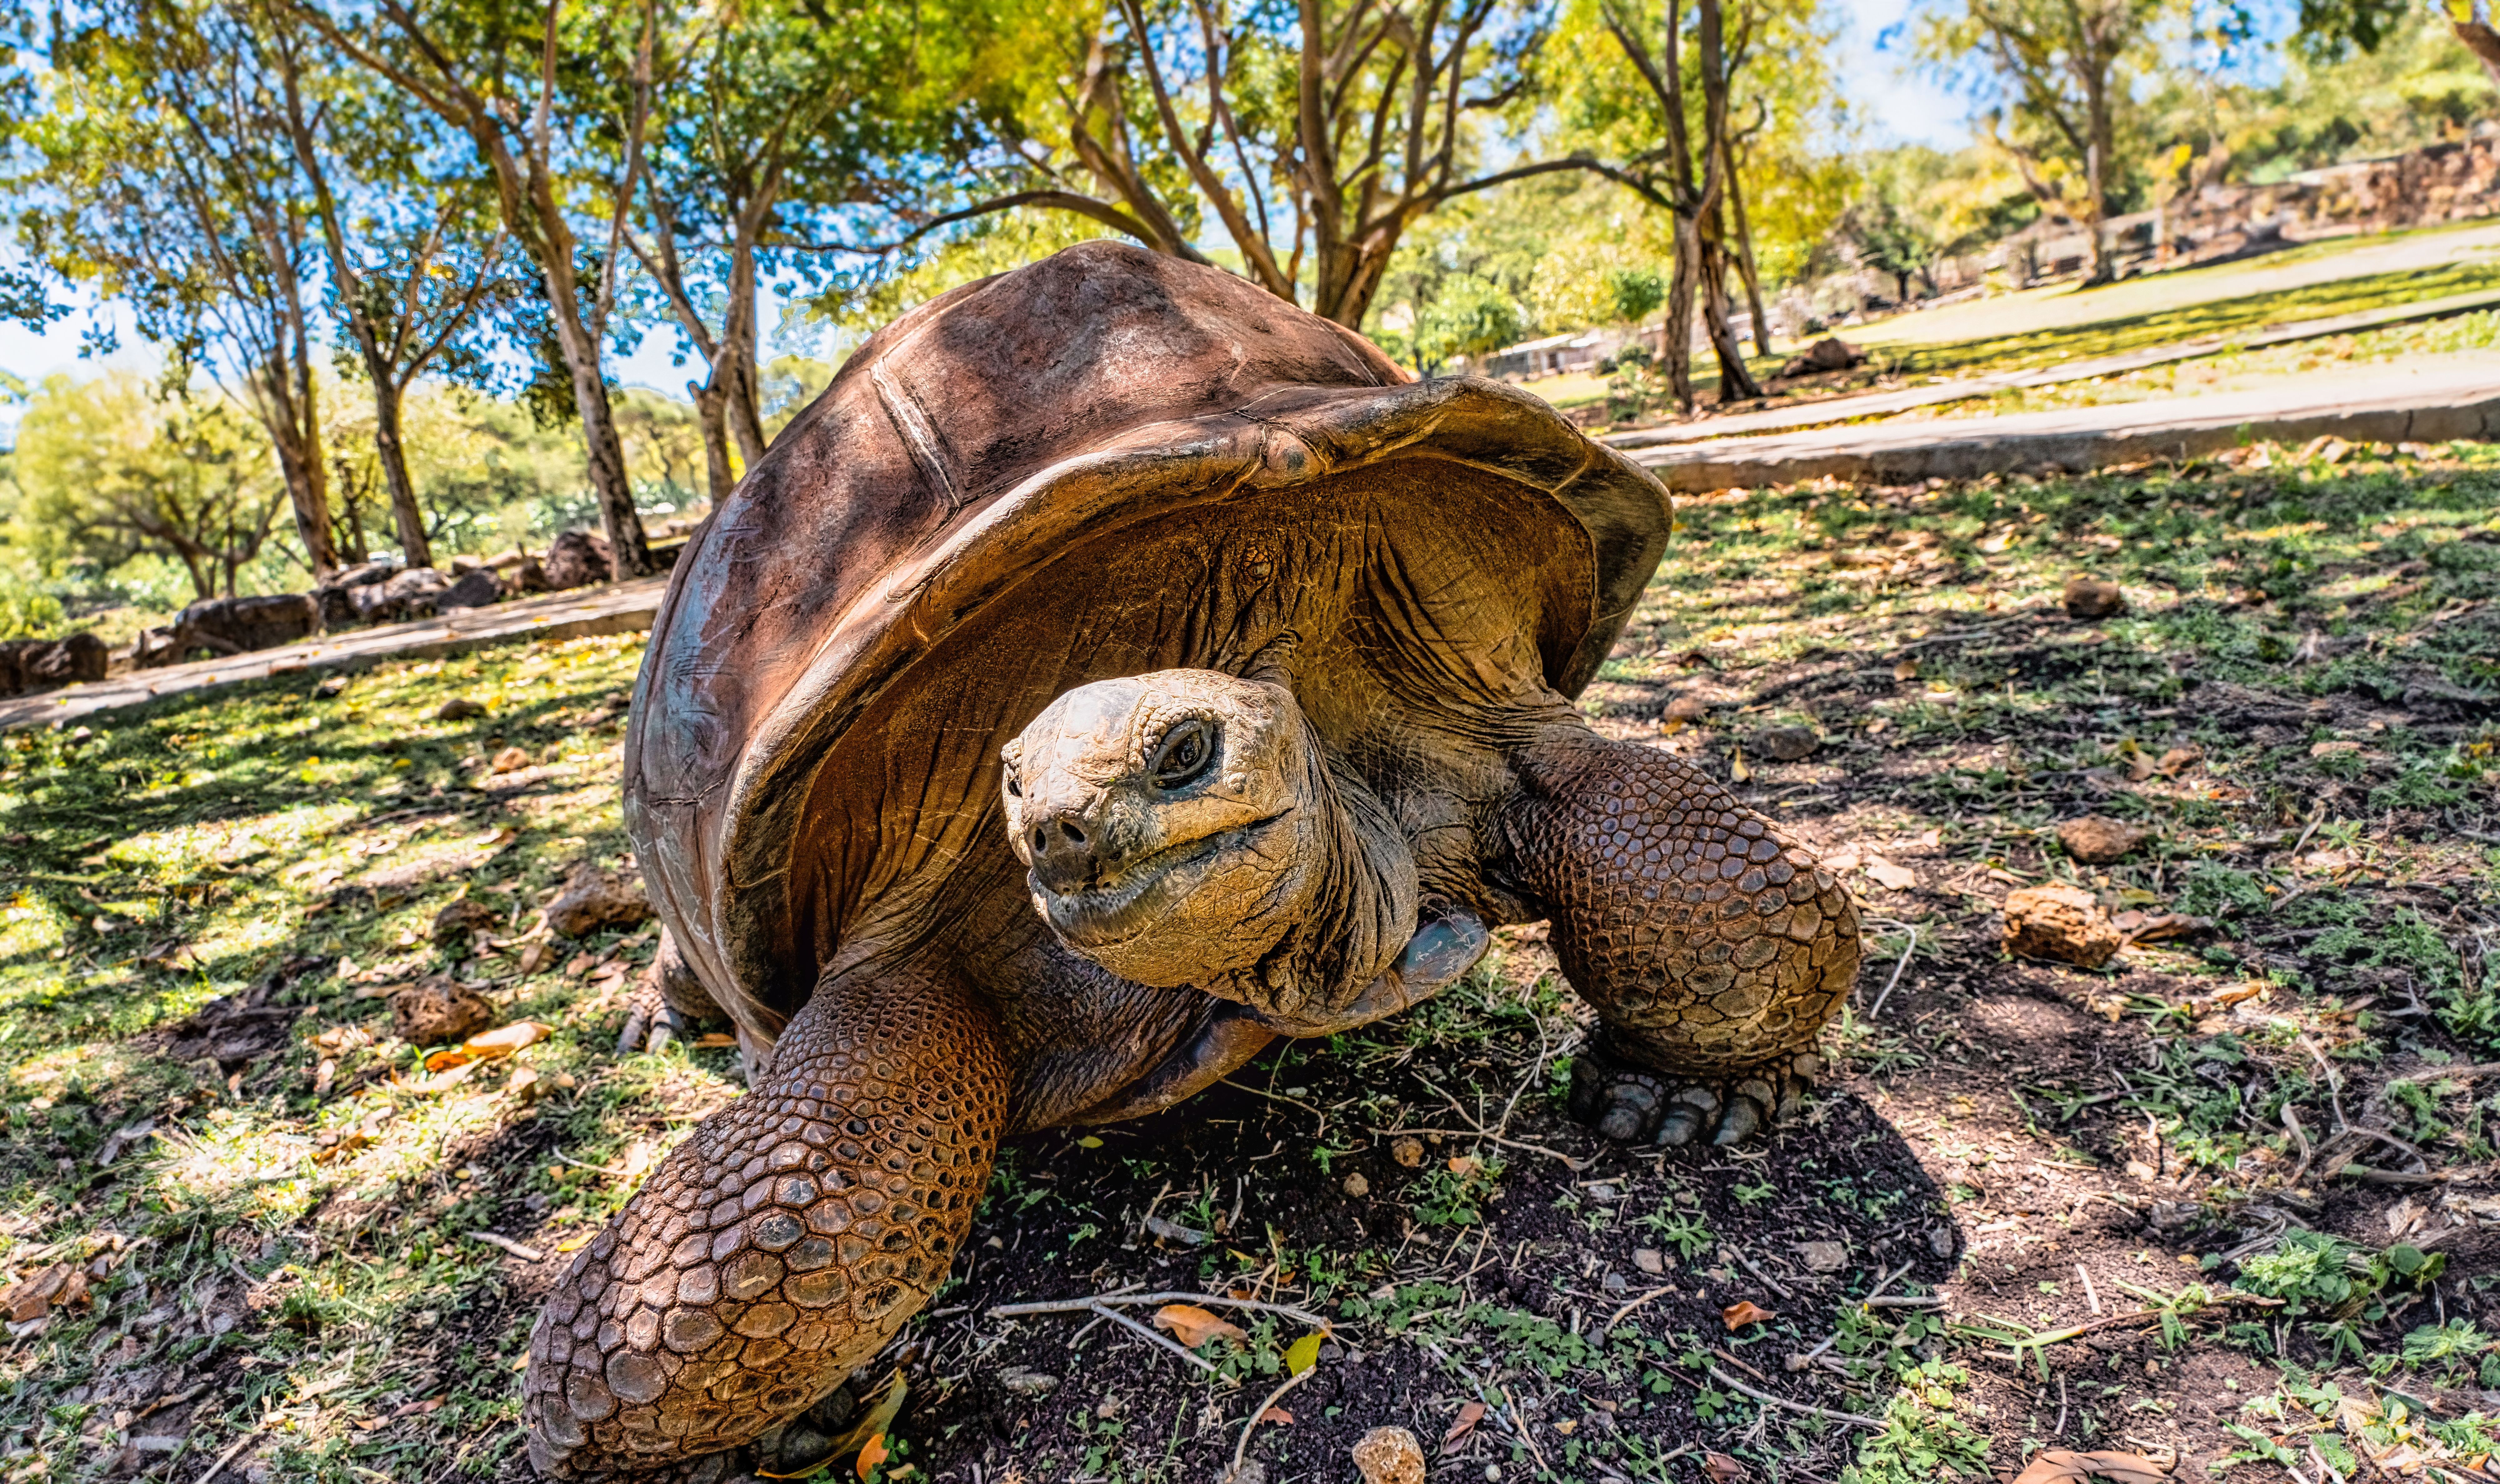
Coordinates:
1631 1102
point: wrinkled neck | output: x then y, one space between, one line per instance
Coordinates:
1359 917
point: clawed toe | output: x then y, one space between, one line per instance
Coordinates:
1633 1105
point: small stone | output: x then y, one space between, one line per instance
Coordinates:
1649 1260
455 922
1787 744
436 1012
458 708
510 759
1823 1256
1940 1242
1686 707
2060 921
330 688
2089 598
2097 839
1390 1456
1356 1185
1407 1150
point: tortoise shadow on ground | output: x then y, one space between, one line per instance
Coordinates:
1584 1281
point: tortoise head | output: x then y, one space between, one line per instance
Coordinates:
1173 825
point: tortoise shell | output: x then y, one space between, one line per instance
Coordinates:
1102 464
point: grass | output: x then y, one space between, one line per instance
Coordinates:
2295 705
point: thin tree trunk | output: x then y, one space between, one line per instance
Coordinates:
711 415
1745 263
1678 333
1735 382
2095 167
407 518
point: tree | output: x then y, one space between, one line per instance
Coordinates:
772 126
1468 318
2329 29
413 256
112 470
501 72
2059 67
1315 143
149 175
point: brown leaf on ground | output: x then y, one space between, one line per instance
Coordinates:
501 1041
1407 1151
1465 1166
1745 1312
31 1297
1469 1416
1278 1416
1723 1470
713 1039
1890 877
2058 1465
1193 1326
510 759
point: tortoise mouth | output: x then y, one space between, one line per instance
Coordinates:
1131 904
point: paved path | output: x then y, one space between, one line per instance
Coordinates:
1841 409
2456 396
620 609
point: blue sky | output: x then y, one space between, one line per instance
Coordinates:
1892 108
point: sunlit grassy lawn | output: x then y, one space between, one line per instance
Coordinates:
292 1266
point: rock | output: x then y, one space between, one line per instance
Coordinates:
2089 598
1787 744
436 1012
1407 1150
1390 1456
510 759
38 664
455 922
1686 707
1823 355
230 626
1823 1256
1649 1260
334 597
1023 1382
1357 1186
592 899
2097 839
477 588
458 708
410 594
576 560
2060 921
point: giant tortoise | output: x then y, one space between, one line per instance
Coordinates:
1114 670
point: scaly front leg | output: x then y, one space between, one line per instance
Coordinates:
1714 948
781 1244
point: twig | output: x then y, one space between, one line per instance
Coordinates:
520 1250
1164 1340
1474 1385
1907 1301
2091 1296
2427 1073
1626 1312
228 1456
1886 1283
1170 1296
1873 1424
1278 1097
1575 1165
562 1158
1903 963
1747 1264
1241 1449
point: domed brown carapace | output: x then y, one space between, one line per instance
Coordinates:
1115 670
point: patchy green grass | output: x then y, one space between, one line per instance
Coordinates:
2226 1200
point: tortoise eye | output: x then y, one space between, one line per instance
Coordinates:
1015 784
1184 754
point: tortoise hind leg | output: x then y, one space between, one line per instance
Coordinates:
1714 948
781 1244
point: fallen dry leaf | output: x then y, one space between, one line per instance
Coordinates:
1895 878
31 1298
1745 1312
1722 1468
1407 1151
2058 1465
872 1455
1464 1165
1193 1326
487 1045
712 1040
1277 1415
1469 1416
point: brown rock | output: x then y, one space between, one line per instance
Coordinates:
1686 707
1407 1150
593 899
510 759
577 558
1390 1456
2060 921
1787 744
458 708
436 1012
2097 840
456 922
2089 598
1827 354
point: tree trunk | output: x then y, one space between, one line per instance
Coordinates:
604 451
2483 41
405 517
1678 333
2095 168
299 464
711 415
1735 382
1745 263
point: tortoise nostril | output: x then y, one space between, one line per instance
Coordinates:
1040 841
1073 836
